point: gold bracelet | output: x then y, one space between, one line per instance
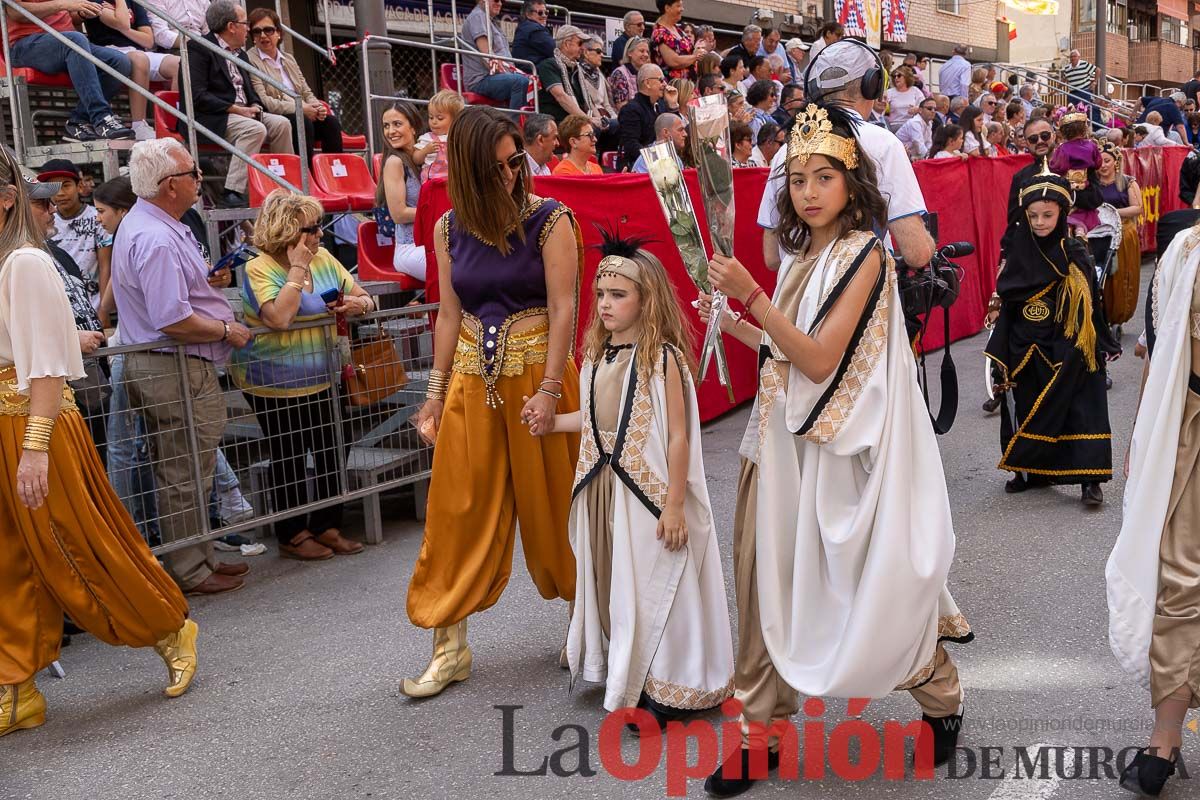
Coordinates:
545 391
439 383
295 286
38 431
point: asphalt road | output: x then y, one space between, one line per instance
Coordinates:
297 696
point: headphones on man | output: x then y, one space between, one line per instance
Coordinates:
873 84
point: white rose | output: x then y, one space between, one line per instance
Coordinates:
665 174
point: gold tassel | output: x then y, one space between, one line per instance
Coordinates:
1075 301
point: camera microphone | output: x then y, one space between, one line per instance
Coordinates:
957 250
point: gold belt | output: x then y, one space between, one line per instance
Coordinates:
16 404
498 352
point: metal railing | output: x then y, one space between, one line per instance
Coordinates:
327 50
186 116
434 49
162 445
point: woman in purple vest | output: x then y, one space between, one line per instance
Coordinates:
508 269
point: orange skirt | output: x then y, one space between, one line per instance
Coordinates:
78 554
1121 290
489 474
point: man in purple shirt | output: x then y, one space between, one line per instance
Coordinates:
161 287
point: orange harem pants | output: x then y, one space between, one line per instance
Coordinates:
489 474
80 553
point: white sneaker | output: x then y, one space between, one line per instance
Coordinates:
143 131
232 508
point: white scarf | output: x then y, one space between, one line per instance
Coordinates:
1132 570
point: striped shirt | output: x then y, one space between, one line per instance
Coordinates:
1080 77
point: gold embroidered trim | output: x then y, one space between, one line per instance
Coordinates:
920 676
1070 437
637 433
548 225
608 440
443 230
953 626
867 355
15 404
526 213
770 384
685 697
511 351
843 256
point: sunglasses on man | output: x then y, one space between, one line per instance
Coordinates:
1044 136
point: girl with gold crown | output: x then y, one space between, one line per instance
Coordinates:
843 537
1048 350
651 620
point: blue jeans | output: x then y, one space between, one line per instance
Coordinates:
129 468
224 480
45 53
504 86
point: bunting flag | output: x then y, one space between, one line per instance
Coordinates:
852 14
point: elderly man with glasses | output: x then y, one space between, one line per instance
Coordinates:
161 286
533 41
634 25
916 134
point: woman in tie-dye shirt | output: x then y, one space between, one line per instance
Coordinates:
286 375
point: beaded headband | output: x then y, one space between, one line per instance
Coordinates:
812 134
619 265
1047 181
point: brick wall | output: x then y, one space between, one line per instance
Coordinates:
1161 63
975 25
1117 53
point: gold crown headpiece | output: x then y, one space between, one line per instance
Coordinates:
620 265
1074 116
1046 181
812 134
1108 147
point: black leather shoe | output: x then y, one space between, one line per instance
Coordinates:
1107 381
662 714
991 405
232 199
717 785
1092 496
945 736
1146 774
1016 485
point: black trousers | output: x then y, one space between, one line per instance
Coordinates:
294 426
327 131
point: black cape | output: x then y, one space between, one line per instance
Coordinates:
1054 418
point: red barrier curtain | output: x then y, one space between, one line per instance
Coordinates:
1146 164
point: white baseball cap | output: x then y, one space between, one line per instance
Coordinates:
794 43
840 64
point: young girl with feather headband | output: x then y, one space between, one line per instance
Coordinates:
650 618
843 537
1048 349
1153 573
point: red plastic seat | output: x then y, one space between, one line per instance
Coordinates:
375 259
449 78
287 166
377 164
609 160
33 77
346 175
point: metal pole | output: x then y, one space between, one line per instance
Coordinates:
18 134
458 70
185 80
369 18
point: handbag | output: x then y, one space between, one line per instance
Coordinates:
376 371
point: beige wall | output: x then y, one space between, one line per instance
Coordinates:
975 24
1038 36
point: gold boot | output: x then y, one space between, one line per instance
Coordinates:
451 662
21 706
178 651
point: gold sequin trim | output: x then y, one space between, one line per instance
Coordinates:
685 697
548 225
15 404
867 355
526 213
510 351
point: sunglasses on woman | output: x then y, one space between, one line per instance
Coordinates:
267 31
513 162
311 229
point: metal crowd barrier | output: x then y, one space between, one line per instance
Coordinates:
160 448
